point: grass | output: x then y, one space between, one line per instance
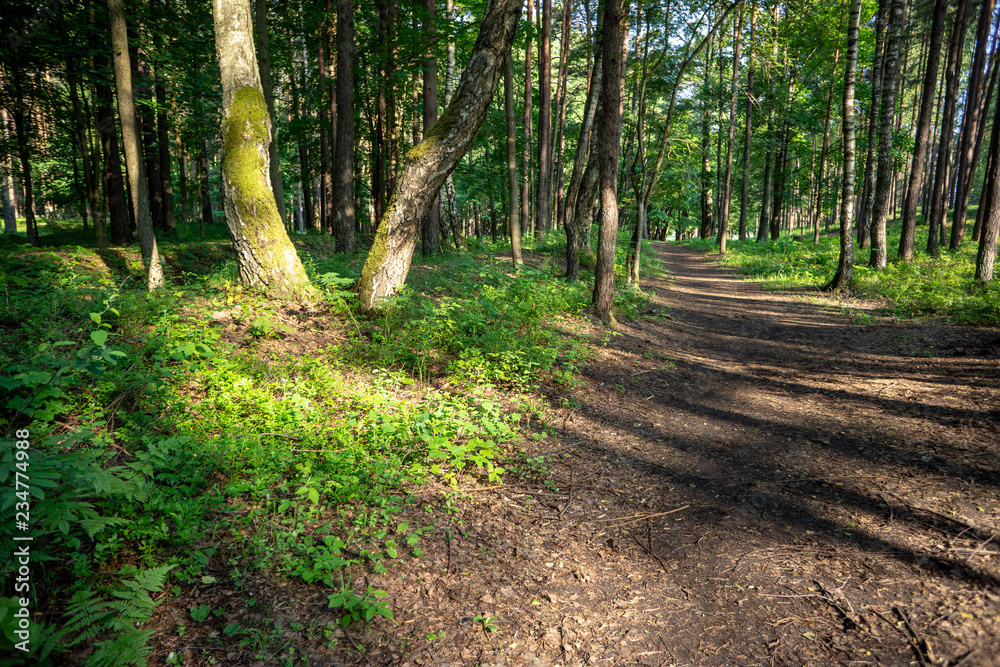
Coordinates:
207 429
941 285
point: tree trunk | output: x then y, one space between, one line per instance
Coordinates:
748 126
90 178
781 173
823 152
343 185
883 180
727 183
607 147
431 234
864 216
845 267
427 166
163 141
264 64
970 123
562 103
763 224
207 215
990 208
513 221
264 253
994 71
326 124
543 200
923 133
526 218
580 163
118 225
941 191
133 153
150 144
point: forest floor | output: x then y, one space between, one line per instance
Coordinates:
752 480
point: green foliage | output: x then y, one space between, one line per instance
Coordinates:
363 606
90 615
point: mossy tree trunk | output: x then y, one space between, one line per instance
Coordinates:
264 252
134 165
427 165
513 215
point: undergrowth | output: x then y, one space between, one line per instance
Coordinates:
939 285
183 439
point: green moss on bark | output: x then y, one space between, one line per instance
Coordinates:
244 133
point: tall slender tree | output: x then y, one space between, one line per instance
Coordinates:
845 265
923 133
608 142
343 183
133 151
883 180
543 200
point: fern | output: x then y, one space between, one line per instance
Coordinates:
89 615
127 649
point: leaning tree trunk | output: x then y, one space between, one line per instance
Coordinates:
428 164
264 253
883 181
609 132
845 268
133 154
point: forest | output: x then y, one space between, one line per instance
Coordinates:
499 332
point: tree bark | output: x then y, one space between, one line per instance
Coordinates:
264 64
264 253
823 152
163 142
748 125
970 124
513 221
327 122
883 180
133 153
923 133
939 196
431 233
607 148
987 253
150 145
978 226
562 103
543 201
864 216
89 177
343 185
845 265
526 219
727 183
427 166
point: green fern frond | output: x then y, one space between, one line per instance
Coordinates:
126 649
88 615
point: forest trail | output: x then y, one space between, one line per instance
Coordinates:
752 479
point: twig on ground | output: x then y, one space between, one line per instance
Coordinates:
649 551
920 643
636 517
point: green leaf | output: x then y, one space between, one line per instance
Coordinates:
96 317
99 337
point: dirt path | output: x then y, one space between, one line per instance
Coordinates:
752 480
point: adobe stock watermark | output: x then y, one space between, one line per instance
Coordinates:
37 23
22 524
